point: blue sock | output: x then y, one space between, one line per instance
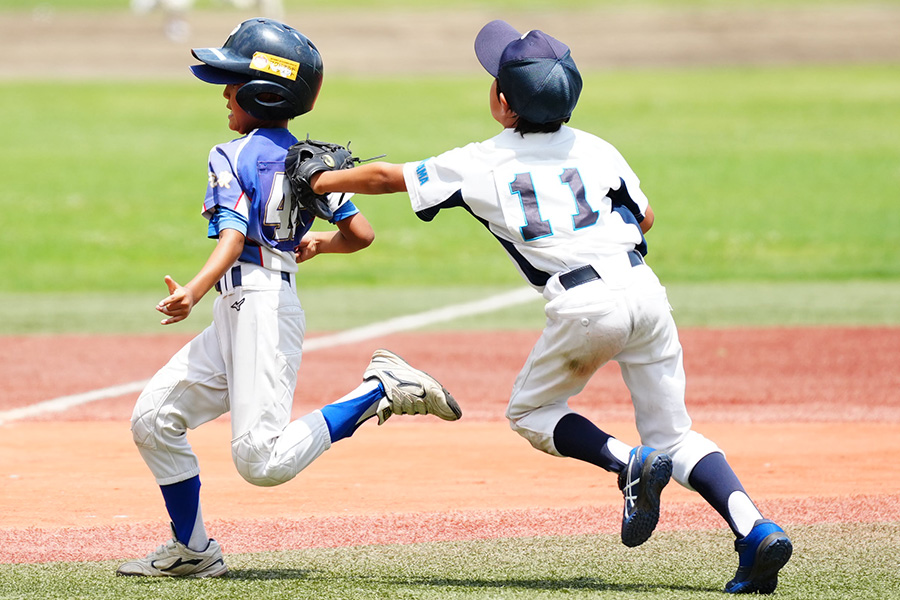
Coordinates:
182 502
346 415
576 437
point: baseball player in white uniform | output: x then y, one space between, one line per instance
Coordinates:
246 362
570 213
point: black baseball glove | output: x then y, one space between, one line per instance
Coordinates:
305 159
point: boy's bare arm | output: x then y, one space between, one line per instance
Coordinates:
182 299
647 223
354 233
371 178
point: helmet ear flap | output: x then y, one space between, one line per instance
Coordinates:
271 101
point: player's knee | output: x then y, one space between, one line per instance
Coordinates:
252 461
687 453
153 428
142 430
537 425
539 439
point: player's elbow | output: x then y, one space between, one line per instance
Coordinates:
364 240
387 178
357 233
647 223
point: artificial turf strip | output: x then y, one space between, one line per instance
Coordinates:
835 560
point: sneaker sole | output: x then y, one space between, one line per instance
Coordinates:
451 403
639 527
201 575
391 357
771 555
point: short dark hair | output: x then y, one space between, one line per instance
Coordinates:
524 126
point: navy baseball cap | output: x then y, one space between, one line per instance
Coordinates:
535 71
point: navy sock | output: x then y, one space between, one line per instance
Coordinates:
182 502
715 481
576 437
343 418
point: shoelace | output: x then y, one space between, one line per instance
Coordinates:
162 548
630 497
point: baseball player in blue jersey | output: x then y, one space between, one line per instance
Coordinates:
246 362
570 213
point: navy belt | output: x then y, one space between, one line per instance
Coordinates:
236 278
587 273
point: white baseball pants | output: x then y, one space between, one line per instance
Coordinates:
624 317
245 362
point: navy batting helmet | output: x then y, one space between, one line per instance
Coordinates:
280 68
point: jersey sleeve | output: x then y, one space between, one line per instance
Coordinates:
224 186
347 210
225 218
435 181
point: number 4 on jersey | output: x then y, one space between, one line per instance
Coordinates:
280 210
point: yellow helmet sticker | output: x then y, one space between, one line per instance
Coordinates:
269 63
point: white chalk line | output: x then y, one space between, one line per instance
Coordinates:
350 336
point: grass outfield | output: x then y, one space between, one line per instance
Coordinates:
785 174
716 304
775 192
831 561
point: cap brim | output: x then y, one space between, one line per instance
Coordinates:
490 43
217 76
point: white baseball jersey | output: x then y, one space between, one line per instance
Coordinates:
557 202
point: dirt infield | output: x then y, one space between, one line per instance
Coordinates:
370 42
805 415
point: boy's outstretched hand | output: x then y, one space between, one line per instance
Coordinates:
309 245
178 304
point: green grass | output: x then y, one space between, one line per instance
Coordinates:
765 174
831 561
755 175
329 309
761 179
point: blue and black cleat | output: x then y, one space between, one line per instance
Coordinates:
761 554
646 474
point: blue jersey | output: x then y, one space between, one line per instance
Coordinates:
247 192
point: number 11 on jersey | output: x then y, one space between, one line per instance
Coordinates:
554 202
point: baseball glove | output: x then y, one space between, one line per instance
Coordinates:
305 159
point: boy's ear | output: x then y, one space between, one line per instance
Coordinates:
504 106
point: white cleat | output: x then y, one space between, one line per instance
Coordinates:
174 559
409 390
